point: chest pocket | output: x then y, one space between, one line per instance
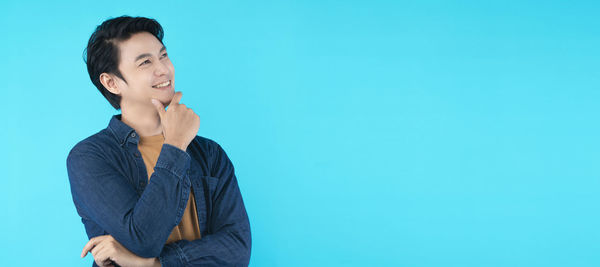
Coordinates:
205 190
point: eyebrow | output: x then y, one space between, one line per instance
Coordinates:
149 55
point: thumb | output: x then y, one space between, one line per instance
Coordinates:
159 107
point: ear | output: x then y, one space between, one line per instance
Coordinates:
109 83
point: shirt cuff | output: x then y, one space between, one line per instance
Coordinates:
174 160
171 256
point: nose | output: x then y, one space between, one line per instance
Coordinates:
161 69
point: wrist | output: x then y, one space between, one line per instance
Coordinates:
176 144
156 262
151 262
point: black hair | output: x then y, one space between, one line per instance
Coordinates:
102 52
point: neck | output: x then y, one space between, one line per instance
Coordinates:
143 119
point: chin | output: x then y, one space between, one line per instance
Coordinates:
166 99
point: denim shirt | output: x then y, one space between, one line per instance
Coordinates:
113 195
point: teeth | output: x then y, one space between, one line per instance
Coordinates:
163 84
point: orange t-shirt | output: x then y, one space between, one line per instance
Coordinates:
188 228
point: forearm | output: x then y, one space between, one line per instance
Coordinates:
142 225
225 248
160 206
150 262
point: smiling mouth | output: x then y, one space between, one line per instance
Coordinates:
161 85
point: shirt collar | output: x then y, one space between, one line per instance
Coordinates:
122 131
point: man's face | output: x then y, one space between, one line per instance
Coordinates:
147 69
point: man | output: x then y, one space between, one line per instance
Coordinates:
149 191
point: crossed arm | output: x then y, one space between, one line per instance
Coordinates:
142 226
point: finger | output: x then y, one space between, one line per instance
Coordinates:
90 244
159 107
100 255
176 98
103 263
97 251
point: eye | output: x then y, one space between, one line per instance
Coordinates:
164 55
145 62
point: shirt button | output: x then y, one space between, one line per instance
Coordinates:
141 183
137 154
133 135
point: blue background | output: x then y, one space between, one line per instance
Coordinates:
364 133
